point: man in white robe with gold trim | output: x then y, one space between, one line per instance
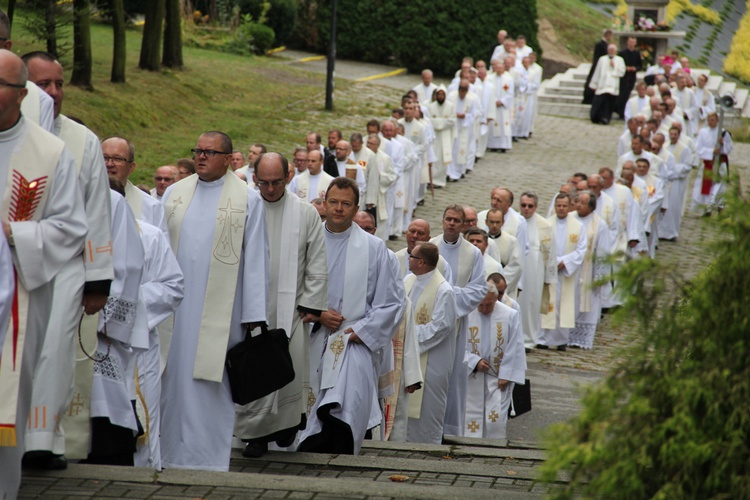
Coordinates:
119 157
298 291
496 362
540 273
468 281
501 133
313 182
669 224
380 177
434 312
360 321
419 231
42 237
570 240
592 270
84 280
218 230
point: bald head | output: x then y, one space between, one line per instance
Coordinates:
418 231
366 221
13 72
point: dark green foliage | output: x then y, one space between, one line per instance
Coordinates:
417 34
250 38
281 16
672 420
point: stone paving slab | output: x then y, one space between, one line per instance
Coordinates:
496 451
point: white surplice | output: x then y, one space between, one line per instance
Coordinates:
438 339
162 289
198 415
146 208
669 224
443 118
352 400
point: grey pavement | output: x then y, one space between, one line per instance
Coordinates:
481 468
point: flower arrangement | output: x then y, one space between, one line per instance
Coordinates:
647 53
648 24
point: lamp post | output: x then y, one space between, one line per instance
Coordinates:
331 59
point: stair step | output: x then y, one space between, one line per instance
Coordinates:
571 91
741 96
562 99
571 83
714 81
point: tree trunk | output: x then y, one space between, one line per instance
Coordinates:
213 12
82 62
172 54
152 35
119 55
49 27
11 10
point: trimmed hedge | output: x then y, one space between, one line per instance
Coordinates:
416 34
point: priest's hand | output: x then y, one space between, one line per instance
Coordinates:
483 366
353 337
560 266
498 103
331 319
93 302
413 388
632 243
461 115
308 317
502 384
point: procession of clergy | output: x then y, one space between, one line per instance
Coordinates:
120 305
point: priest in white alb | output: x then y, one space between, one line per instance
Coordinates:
218 230
364 304
381 176
434 313
669 224
570 242
85 280
468 110
501 134
42 236
468 281
313 182
496 363
298 292
443 118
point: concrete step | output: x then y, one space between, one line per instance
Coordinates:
714 81
741 96
560 98
567 110
578 84
577 90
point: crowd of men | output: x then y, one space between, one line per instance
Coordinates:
121 303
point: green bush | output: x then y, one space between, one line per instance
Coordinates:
672 419
281 15
250 38
417 34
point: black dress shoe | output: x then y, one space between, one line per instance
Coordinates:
562 347
542 346
503 150
393 237
44 460
286 440
255 450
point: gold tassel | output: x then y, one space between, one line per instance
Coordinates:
143 438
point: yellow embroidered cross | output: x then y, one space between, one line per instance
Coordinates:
493 416
76 405
474 340
337 347
473 426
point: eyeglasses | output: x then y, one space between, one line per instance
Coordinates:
415 258
276 183
296 160
210 153
163 179
527 205
116 159
11 85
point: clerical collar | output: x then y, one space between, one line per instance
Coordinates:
425 276
343 234
495 236
14 131
451 243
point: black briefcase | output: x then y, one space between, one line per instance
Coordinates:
259 365
521 400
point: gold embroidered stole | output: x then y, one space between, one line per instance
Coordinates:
587 270
74 136
568 288
24 200
423 309
223 270
303 184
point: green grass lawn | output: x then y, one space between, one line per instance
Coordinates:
577 25
253 99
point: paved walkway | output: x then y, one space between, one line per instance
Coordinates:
559 147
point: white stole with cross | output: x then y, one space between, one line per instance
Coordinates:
568 289
224 268
303 185
353 307
486 340
423 309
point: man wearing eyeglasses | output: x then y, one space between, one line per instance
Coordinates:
119 157
84 281
38 106
313 182
297 294
434 312
163 178
43 236
216 221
